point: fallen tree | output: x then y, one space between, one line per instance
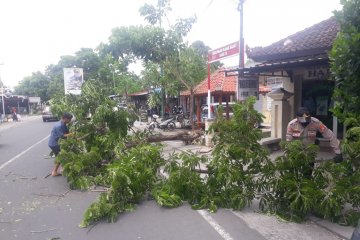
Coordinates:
128 166
185 136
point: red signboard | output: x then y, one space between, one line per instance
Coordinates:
223 52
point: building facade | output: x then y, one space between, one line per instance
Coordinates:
297 69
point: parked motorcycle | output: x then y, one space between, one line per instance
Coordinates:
154 123
164 125
184 121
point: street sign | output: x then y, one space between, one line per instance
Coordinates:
223 52
216 55
34 99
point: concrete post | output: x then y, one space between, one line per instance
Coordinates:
208 136
280 112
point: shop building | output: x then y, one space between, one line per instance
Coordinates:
297 70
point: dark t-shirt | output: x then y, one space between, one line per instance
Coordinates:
57 132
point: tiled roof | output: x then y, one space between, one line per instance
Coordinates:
218 83
316 39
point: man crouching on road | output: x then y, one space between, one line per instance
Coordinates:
60 130
304 128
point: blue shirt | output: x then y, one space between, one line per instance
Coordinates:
57 132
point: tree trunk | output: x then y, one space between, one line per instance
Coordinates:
185 136
192 108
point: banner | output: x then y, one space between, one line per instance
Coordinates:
73 80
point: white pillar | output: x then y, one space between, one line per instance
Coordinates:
280 112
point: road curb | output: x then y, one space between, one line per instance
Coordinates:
320 223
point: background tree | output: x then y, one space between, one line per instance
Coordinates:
345 61
155 15
126 83
56 76
35 86
149 44
51 82
90 61
203 50
188 68
108 71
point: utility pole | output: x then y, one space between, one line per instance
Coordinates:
2 100
2 93
241 58
163 96
241 47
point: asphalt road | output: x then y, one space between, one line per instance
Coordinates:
33 207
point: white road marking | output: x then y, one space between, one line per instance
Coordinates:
225 235
22 153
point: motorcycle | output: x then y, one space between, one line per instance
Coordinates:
166 124
184 121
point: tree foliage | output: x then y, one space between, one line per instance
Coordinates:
35 85
155 14
187 68
50 83
345 61
238 158
203 50
147 43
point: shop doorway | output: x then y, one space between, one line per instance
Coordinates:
317 97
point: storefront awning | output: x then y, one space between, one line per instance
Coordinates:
281 65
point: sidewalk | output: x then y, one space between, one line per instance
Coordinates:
24 118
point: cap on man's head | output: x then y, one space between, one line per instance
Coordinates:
67 116
303 112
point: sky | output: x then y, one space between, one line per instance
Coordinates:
35 33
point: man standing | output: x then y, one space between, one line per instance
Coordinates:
60 130
14 114
304 128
